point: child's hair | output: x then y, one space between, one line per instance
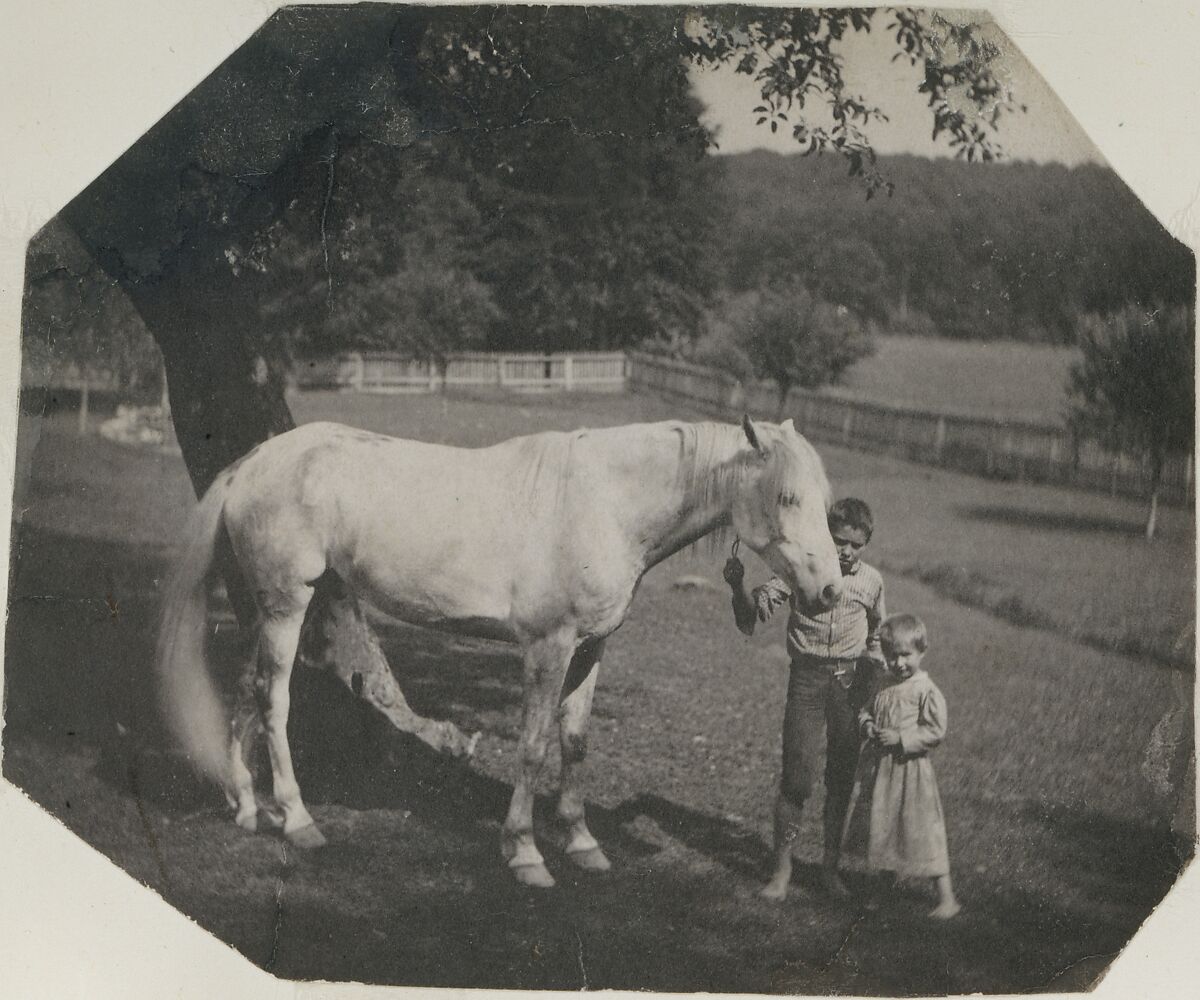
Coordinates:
850 512
897 628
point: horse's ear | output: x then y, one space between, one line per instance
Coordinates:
787 425
752 434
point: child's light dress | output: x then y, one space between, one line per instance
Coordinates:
895 817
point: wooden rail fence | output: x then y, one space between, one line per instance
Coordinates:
1000 448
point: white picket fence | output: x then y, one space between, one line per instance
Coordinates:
393 373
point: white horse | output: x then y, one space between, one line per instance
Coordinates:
540 540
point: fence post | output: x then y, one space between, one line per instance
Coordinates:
433 375
568 374
83 404
360 373
737 398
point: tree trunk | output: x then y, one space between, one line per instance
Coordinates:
84 388
202 312
1156 471
784 389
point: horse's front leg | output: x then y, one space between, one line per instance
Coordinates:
573 715
546 661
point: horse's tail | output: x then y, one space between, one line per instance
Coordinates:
191 705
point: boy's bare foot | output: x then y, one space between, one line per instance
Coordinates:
777 889
832 885
945 910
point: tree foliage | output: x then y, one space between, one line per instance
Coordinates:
568 136
786 334
1134 385
74 314
1016 251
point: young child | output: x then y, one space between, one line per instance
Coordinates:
897 815
832 653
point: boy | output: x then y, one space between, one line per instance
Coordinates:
833 655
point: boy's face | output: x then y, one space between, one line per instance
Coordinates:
903 658
849 543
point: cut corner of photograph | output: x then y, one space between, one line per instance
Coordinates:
635 498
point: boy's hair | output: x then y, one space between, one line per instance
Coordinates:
850 512
900 627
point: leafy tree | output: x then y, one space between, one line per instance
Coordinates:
424 310
1134 386
75 315
794 338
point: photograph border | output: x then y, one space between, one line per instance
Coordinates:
82 82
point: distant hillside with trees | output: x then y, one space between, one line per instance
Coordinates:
994 251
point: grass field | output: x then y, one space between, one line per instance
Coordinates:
1059 834
997 379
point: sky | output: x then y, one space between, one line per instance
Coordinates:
1046 132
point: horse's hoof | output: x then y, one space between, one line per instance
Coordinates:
307 837
248 821
591 859
536 876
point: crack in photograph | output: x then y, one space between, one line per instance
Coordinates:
658 498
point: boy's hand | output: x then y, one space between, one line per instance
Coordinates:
869 729
734 572
888 737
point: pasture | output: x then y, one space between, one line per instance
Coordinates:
1059 834
993 379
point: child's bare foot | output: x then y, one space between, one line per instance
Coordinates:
777 889
945 910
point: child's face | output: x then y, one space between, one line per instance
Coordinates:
849 543
903 658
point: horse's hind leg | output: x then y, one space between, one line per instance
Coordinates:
546 662
246 725
278 640
573 715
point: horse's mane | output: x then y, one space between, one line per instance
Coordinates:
715 460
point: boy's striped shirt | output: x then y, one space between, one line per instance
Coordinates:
846 631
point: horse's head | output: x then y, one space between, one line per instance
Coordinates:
781 512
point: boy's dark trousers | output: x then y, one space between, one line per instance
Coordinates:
823 700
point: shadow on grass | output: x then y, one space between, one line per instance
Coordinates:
976 590
1053 520
1111 858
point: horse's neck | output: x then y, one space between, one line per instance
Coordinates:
677 486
